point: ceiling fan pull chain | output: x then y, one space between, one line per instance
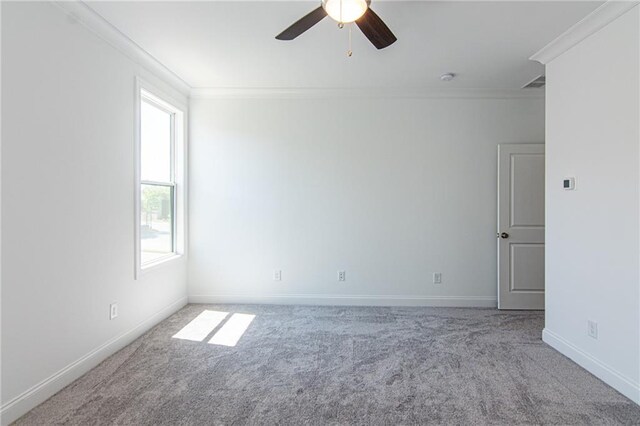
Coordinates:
350 52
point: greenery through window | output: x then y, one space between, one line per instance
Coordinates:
157 189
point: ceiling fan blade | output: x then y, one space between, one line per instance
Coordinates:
302 24
375 30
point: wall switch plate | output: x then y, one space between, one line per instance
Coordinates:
592 329
342 276
277 275
437 277
113 311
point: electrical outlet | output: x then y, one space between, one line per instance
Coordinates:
592 329
342 276
437 277
277 275
113 311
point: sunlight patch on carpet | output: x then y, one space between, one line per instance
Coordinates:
201 326
231 332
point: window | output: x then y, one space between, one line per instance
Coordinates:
159 176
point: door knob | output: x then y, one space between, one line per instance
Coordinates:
504 235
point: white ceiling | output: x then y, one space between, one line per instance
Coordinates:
231 44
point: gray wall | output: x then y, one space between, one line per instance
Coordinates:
67 205
388 189
593 134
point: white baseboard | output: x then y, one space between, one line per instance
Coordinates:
39 393
626 386
349 300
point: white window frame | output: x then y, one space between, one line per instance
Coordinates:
178 109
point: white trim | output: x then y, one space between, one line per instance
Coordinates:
364 93
39 393
349 300
377 1
137 180
160 98
1 212
179 156
156 263
625 385
110 34
595 21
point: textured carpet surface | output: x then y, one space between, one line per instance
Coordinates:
341 365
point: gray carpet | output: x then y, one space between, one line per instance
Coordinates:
342 365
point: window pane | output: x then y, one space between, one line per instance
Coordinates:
156 222
155 141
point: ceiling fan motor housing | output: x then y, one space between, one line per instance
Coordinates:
345 11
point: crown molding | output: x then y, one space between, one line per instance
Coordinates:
361 93
93 21
595 21
79 11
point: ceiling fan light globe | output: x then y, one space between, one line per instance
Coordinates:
345 11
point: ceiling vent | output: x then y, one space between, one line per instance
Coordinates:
536 83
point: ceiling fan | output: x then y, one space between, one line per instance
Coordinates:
344 12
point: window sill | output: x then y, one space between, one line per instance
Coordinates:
157 263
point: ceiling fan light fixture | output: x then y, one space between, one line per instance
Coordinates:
345 11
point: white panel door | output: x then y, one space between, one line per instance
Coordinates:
520 226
